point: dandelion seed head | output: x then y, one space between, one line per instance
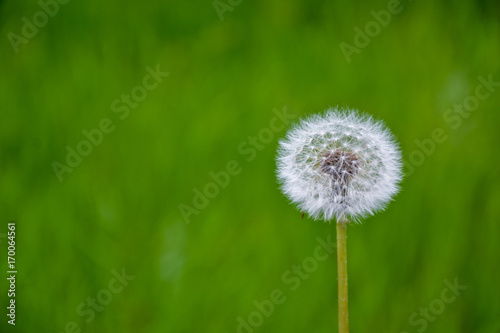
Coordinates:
339 164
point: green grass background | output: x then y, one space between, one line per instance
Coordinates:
119 208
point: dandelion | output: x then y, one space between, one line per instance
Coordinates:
340 165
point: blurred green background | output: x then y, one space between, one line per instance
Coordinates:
119 208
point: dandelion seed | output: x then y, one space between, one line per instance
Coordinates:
339 165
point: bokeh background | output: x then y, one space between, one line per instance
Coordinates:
119 208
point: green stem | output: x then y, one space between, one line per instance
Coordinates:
342 275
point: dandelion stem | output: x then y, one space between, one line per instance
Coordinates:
342 275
